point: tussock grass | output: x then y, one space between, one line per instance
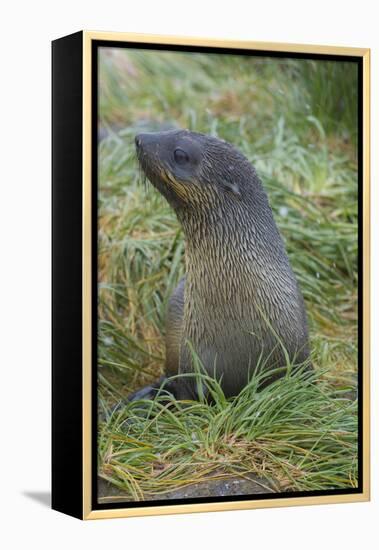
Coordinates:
296 121
295 434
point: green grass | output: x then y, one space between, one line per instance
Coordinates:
296 435
296 121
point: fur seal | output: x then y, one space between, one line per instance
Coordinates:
239 305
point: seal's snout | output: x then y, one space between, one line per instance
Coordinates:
146 144
137 141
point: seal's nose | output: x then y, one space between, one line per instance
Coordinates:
147 141
138 141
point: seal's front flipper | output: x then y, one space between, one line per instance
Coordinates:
161 386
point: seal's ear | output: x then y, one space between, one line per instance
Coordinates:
231 188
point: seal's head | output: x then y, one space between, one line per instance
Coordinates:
194 170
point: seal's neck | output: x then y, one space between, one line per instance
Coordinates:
229 260
242 228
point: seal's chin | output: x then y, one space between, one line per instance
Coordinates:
172 190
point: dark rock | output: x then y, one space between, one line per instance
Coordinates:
231 486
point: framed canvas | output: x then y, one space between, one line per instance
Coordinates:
210 275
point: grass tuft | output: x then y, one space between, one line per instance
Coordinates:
296 434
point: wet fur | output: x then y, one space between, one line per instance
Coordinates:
239 304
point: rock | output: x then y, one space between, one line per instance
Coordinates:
231 486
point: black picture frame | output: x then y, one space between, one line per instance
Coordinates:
74 253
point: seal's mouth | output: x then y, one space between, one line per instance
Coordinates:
147 155
142 162
152 168
148 161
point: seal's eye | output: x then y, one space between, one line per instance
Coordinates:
180 156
